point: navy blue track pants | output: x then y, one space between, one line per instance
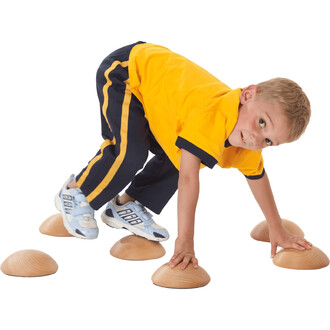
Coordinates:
127 141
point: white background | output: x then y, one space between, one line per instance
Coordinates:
50 51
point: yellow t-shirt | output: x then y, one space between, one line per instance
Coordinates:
188 108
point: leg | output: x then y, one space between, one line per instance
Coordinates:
124 198
156 149
122 154
125 130
155 184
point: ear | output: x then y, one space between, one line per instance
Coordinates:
248 93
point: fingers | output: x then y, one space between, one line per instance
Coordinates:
194 262
187 260
176 259
306 244
297 246
301 244
296 242
273 250
184 259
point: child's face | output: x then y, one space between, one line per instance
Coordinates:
260 123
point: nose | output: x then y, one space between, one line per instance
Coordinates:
256 140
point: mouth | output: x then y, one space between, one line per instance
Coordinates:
242 138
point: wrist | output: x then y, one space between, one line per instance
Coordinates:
274 223
185 244
185 238
275 229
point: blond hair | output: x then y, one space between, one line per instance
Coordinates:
291 97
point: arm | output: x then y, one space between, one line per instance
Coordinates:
188 191
278 235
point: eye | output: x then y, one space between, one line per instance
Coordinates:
268 142
262 123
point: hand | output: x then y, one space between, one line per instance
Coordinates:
282 237
184 253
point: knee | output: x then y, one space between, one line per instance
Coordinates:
134 161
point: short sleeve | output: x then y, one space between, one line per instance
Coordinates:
256 177
205 158
202 134
256 169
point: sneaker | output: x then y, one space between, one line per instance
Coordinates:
134 217
77 214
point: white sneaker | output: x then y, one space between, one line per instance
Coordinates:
134 217
77 214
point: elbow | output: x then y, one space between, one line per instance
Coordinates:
188 180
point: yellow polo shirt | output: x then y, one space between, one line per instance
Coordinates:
188 108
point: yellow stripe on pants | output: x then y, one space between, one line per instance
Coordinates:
105 90
92 162
123 145
104 112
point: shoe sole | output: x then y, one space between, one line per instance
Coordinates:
117 224
59 206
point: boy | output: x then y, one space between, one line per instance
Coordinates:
153 99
